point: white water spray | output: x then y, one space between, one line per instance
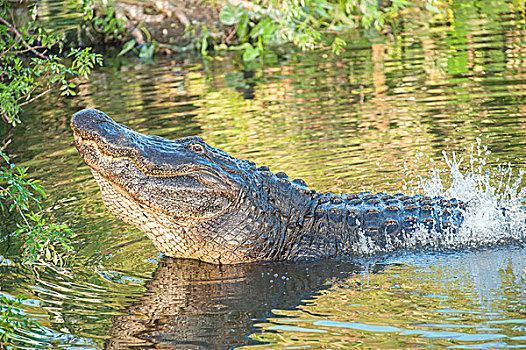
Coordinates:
494 215
495 212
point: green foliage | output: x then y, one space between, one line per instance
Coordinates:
17 191
106 23
28 69
114 29
32 63
258 24
44 238
19 197
145 52
310 24
13 318
128 46
202 45
254 30
200 35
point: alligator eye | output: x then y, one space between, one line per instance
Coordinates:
197 148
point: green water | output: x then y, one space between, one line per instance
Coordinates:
375 118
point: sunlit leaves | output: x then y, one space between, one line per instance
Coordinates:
251 28
310 24
128 46
105 21
32 63
29 70
45 240
230 15
20 196
84 61
250 53
337 45
17 190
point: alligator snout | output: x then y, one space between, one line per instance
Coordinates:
87 119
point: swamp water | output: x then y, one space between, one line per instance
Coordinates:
377 118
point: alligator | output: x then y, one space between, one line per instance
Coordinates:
196 201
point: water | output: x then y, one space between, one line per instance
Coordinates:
377 118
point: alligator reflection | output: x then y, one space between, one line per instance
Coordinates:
195 305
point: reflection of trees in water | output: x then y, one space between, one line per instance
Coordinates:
199 305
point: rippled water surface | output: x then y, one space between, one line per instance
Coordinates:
376 118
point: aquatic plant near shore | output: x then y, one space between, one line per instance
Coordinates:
20 205
250 27
310 24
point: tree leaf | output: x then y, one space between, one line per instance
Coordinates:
250 53
228 15
127 47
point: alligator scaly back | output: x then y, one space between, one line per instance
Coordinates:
196 201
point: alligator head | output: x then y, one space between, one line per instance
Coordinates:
192 200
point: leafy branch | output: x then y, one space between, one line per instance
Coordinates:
308 24
20 196
28 69
32 64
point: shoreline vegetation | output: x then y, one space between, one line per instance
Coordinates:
36 60
248 27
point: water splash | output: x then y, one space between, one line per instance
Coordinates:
495 214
